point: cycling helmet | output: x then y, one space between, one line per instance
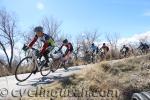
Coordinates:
65 41
92 44
38 29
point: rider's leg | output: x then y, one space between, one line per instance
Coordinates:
63 63
65 59
46 57
48 50
105 54
125 54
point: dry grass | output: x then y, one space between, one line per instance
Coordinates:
4 71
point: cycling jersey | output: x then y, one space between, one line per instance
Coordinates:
124 49
144 46
93 48
105 48
46 39
69 48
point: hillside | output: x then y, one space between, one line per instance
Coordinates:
109 80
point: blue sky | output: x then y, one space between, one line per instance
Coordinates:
127 17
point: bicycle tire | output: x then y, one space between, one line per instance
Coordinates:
17 69
55 65
42 70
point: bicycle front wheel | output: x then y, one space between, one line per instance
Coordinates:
55 65
24 69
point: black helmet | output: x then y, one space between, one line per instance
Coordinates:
65 41
141 42
38 29
92 44
103 43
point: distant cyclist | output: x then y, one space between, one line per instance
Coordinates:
68 53
94 51
94 48
104 48
143 47
124 50
103 51
46 39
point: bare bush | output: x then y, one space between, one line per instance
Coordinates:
113 41
7 35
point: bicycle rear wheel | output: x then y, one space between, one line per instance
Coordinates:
55 65
45 70
24 69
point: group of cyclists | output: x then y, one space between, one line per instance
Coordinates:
33 61
102 51
143 48
49 44
124 51
104 48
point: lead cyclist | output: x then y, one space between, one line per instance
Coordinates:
48 45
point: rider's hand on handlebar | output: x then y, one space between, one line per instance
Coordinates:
25 48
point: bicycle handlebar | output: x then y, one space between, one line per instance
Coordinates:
25 47
34 49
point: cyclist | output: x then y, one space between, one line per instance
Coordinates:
68 53
144 47
94 52
94 48
48 41
105 48
124 50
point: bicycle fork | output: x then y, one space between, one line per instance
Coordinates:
35 64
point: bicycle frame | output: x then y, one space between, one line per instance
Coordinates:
36 62
34 58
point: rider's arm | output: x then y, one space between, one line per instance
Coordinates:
107 48
60 47
44 47
33 41
102 48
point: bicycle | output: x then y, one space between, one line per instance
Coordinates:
94 57
31 64
57 63
141 51
102 54
123 53
89 57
